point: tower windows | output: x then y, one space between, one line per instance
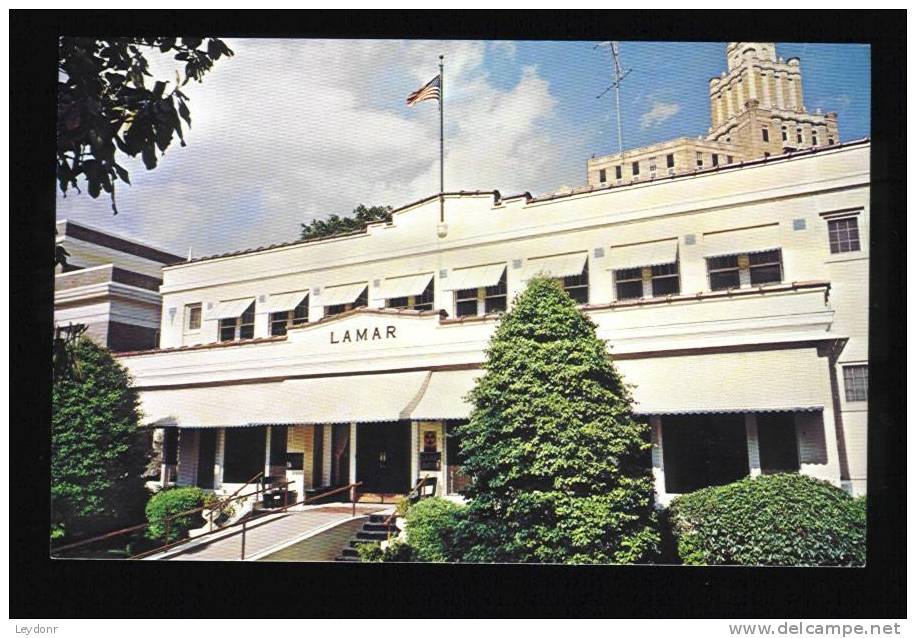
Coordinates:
798 136
785 134
618 170
602 175
715 159
813 137
699 159
765 133
635 169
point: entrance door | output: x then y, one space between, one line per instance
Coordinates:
206 457
383 457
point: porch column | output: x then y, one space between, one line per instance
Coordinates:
326 454
658 459
753 444
267 435
352 453
220 457
414 452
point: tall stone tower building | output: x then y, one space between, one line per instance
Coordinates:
757 110
759 104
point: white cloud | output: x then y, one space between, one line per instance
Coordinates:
660 112
289 130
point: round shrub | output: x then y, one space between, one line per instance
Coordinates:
778 519
432 524
173 501
395 552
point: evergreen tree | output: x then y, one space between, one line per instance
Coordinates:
558 466
98 455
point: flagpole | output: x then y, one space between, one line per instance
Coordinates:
441 143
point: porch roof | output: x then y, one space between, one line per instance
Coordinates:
204 407
444 396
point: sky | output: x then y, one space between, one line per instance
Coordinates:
291 130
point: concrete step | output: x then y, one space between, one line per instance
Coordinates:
379 527
372 536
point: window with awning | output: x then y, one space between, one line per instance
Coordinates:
236 319
229 309
647 269
287 310
571 270
743 241
479 290
337 299
412 291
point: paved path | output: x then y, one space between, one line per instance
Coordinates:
273 532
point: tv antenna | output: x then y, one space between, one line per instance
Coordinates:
619 75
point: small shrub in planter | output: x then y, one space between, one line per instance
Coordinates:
173 501
779 519
432 526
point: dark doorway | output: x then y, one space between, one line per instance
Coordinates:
383 457
340 454
778 443
206 457
703 450
244 453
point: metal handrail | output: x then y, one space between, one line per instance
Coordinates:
182 541
388 521
168 520
352 487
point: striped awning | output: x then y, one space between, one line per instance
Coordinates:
344 399
206 407
411 285
556 266
229 309
445 395
336 295
761 381
746 240
476 277
642 255
285 301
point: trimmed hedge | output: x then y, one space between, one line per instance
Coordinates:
396 552
778 519
172 501
432 525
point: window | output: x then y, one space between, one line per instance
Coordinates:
814 138
576 286
785 134
699 159
236 328
652 166
635 169
755 269
798 136
361 302
280 322
765 267
472 302
715 159
844 235
422 301
602 175
618 170
765 132
495 296
703 450
647 281
729 159
669 160
466 302
855 379
723 272
830 141
665 280
192 314
628 283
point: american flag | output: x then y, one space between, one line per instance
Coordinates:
429 91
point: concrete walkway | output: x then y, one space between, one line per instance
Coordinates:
273 532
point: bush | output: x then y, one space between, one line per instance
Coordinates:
172 501
396 552
558 465
98 452
779 519
432 526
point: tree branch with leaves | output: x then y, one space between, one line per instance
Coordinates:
110 103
